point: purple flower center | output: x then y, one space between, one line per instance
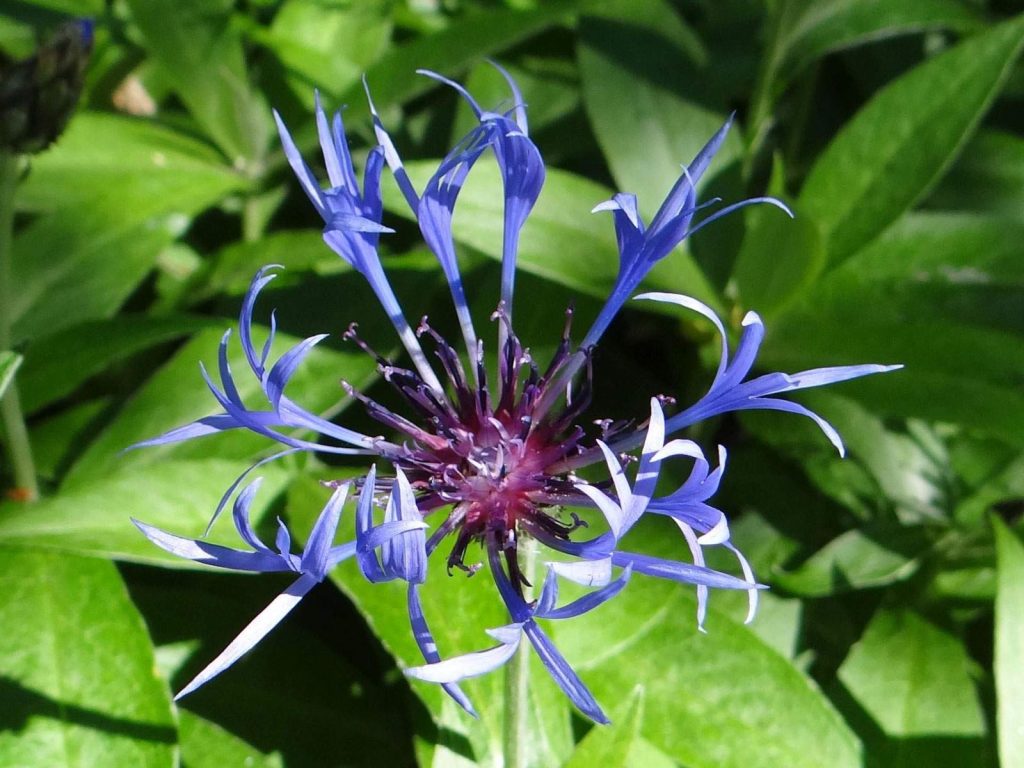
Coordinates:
487 457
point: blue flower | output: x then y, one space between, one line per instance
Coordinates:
485 459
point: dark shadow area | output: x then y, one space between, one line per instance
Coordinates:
884 751
21 703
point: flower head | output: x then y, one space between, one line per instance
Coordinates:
478 458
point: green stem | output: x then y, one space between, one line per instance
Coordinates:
18 445
517 679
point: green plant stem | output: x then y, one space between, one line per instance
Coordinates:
18 446
517 679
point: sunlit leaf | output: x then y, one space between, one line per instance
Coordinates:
94 518
914 680
78 680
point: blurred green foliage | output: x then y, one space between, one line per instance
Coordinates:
892 634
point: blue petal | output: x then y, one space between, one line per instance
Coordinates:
588 602
676 571
285 367
241 515
212 554
427 646
318 546
257 629
563 674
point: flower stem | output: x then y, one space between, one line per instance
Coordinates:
517 679
18 446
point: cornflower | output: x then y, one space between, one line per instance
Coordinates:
482 460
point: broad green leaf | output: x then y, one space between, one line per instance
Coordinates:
79 687
857 559
988 177
9 364
562 241
744 705
207 745
612 745
1009 645
57 364
1004 484
894 150
638 87
112 186
812 30
131 166
914 680
200 53
94 518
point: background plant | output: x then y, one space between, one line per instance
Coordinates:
892 633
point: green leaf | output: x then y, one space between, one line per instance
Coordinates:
988 177
200 52
207 745
56 365
234 266
94 518
57 440
892 152
744 705
612 745
934 266
634 77
330 45
1009 645
112 186
9 364
914 680
857 559
905 473
78 679
780 256
810 31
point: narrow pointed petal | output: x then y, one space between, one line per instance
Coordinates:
305 176
212 554
468 665
318 545
589 601
257 629
681 572
563 674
